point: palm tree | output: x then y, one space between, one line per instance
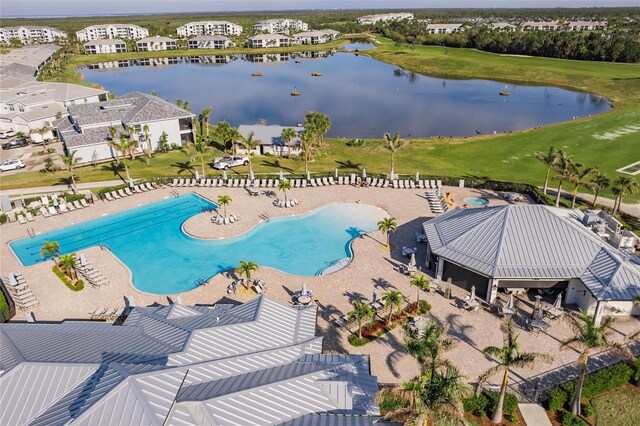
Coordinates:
392 144
507 357
227 134
124 147
288 135
392 299
68 265
599 182
421 283
387 226
205 116
360 312
147 137
589 335
284 185
622 187
245 268
250 144
548 159
133 142
307 147
581 176
224 201
116 144
200 148
70 160
41 131
565 170
318 124
429 347
51 249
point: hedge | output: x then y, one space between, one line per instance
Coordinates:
594 384
569 419
484 404
390 401
4 309
77 287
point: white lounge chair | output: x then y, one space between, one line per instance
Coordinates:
30 217
84 203
128 191
175 182
52 211
44 212
21 219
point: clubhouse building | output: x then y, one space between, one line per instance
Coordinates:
587 256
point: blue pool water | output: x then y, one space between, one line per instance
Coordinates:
476 201
164 260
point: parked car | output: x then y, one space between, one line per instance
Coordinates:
15 143
226 162
13 164
4 134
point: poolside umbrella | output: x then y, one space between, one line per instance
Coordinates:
178 301
197 175
558 303
224 175
537 306
336 173
251 177
375 296
364 173
129 301
473 293
281 175
412 260
539 315
417 176
308 175
303 290
510 302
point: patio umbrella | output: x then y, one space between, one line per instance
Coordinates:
308 175
473 292
178 301
336 173
375 296
224 175
412 260
251 178
536 308
417 176
510 302
364 173
303 290
558 303
281 175
539 315
197 175
129 301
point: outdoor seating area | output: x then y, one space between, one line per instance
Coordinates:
219 219
89 273
51 206
302 296
411 267
20 291
471 302
436 201
286 204
127 192
106 314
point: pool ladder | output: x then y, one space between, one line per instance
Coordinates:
265 216
175 193
31 232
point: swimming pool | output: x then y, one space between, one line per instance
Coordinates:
164 260
476 201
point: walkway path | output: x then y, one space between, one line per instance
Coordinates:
57 188
534 415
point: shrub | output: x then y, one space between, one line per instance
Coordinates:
354 340
587 410
390 401
77 287
569 419
636 366
476 405
510 402
73 197
4 308
355 142
424 307
3 218
557 399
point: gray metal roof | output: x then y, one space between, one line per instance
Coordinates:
268 134
228 364
532 242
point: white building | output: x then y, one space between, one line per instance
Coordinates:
384 17
31 34
210 42
105 46
586 25
588 258
541 26
27 60
27 105
316 37
444 28
209 28
270 140
152 44
268 40
86 129
286 26
502 26
126 31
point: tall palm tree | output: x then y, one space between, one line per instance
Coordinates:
507 357
308 148
51 249
250 144
622 187
200 147
318 124
360 312
421 283
581 176
599 182
70 160
224 201
132 146
589 336
288 135
117 145
428 347
124 146
246 268
206 116
393 144
388 226
113 132
548 159
68 264
284 185
564 167
41 131
147 137
392 299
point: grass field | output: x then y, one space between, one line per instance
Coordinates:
620 407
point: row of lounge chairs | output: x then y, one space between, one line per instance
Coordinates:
221 220
436 202
108 314
126 192
61 208
289 203
89 273
20 291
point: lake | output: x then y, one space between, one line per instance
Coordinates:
364 98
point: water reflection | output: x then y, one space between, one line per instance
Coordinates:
363 97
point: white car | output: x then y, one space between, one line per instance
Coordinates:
13 164
4 134
226 162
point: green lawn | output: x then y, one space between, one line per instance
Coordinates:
621 407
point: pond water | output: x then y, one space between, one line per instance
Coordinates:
363 97
358 46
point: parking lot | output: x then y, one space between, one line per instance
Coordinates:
29 155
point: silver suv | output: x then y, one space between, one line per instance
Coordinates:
223 163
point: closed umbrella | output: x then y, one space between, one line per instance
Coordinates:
224 175
281 175
417 176
308 175
510 302
251 177
375 296
129 301
558 303
364 173
303 290
197 175
473 292
336 173
536 308
539 315
412 260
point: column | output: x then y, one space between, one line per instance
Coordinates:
439 269
492 290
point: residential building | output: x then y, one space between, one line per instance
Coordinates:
269 40
126 31
586 25
31 34
104 46
86 130
210 42
541 26
270 139
588 257
384 17
316 37
503 26
27 60
286 26
209 28
444 28
152 44
27 105
259 362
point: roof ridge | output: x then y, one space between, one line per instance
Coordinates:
507 216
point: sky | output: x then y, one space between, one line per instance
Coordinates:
41 8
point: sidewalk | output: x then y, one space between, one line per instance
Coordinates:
632 209
58 188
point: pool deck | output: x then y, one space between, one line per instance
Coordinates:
373 267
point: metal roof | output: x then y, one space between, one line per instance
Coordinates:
269 134
532 242
228 364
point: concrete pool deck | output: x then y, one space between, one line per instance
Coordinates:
373 267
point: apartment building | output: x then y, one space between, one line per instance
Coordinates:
210 42
157 43
105 46
31 35
209 28
269 40
316 37
273 26
125 31
384 17
444 28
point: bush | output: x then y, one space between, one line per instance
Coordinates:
354 340
73 197
77 287
424 307
390 401
4 308
568 419
636 365
557 399
587 410
3 218
355 142
510 402
476 405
